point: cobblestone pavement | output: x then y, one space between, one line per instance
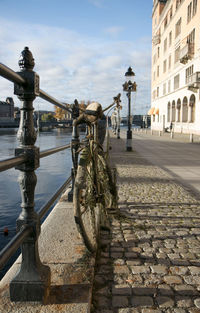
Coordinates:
149 261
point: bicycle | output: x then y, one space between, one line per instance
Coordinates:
95 189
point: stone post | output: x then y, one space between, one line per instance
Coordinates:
33 279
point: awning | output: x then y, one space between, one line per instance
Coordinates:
151 111
156 111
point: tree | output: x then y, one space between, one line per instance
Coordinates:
47 117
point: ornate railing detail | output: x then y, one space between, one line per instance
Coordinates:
33 279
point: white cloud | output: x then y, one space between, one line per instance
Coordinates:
114 30
71 66
97 3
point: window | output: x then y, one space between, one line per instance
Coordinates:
169 62
164 66
158 52
177 55
170 13
165 22
158 71
164 89
189 12
157 91
176 82
191 37
178 28
154 59
165 44
188 72
170 39
194 7
169 86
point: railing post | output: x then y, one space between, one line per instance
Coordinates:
74 148
32 281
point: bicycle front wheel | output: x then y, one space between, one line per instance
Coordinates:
86 208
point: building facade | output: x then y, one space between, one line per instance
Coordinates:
7 109
176 65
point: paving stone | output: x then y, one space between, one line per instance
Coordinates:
165 301
121 290
165 290
159 269
119 301
178 270
172 279
186 290
140 269
184 302
197 303
141 301
121 269
151 311
194 270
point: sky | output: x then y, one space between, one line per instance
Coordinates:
82 48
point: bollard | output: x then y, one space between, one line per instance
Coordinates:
33 279
172 134
191 138
159 133
151 131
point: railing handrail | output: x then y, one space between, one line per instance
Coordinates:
12 76
9 74
12 162
7 252
47 97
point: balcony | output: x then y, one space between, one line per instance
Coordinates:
193 82
186 53
156 40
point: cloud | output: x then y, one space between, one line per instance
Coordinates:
114 30
72 66
97 3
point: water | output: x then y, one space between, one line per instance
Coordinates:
51 174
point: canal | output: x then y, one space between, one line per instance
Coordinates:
52 173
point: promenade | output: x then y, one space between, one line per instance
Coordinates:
150 260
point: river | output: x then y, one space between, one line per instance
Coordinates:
52 172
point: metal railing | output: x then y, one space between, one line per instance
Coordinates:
33 279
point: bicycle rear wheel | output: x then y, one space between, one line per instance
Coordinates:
86 208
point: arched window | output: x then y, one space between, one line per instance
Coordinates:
178 107
185 110
168 111
173 111
192 108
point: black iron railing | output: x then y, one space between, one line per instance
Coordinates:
32 281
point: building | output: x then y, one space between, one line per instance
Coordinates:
7 109
176 65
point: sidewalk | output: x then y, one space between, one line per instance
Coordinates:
150 260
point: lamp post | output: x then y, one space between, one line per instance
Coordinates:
129 86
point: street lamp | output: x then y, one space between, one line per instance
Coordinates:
129 86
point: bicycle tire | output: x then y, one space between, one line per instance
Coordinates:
86 210
94 193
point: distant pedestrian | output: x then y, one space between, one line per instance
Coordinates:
170 127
